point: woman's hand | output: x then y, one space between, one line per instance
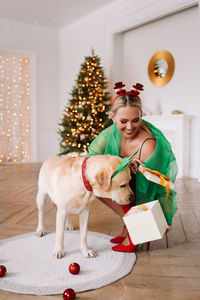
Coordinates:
134 165
169 228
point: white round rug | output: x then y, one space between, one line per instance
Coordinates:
32 268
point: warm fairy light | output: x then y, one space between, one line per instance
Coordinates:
14 109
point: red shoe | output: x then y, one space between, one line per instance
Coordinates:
148 246
122 248
118 239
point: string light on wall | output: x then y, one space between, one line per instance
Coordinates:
15 142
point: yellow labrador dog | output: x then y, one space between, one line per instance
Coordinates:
66 182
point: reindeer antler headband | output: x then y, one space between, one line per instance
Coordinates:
134 90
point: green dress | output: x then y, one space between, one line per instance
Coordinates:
162 160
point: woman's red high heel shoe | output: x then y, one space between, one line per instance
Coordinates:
118 239
123 248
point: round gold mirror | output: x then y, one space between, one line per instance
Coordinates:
161 68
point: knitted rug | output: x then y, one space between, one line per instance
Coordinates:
32 268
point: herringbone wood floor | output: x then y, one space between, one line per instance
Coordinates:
160 274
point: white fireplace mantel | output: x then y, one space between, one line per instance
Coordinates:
176 129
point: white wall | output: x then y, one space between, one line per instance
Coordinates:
179 34
43 48
76 43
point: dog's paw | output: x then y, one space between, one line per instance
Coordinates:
39 233
69 226
58 254
90 253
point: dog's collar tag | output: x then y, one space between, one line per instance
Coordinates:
85 181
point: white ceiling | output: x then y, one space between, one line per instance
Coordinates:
50 14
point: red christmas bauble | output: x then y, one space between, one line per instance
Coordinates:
2 271
69 294
74 268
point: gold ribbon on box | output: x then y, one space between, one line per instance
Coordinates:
142 207
164 180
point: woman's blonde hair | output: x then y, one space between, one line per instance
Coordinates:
128 100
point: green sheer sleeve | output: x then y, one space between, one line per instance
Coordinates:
99 144
168 204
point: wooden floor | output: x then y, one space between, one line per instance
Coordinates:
162 273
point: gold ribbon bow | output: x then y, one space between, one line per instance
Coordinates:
164 180
142 207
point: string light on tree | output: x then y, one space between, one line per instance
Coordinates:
87 113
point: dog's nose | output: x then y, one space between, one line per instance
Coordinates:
131 197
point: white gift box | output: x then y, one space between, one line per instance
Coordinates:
144 226
152 177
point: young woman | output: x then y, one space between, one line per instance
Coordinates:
130 134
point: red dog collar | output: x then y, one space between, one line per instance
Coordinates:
85 181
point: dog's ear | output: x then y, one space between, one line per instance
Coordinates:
103 179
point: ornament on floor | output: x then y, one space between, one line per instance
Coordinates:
74 268
69 294
2 271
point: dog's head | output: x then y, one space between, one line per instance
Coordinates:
100 170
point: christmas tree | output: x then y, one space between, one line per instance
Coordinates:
87 113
